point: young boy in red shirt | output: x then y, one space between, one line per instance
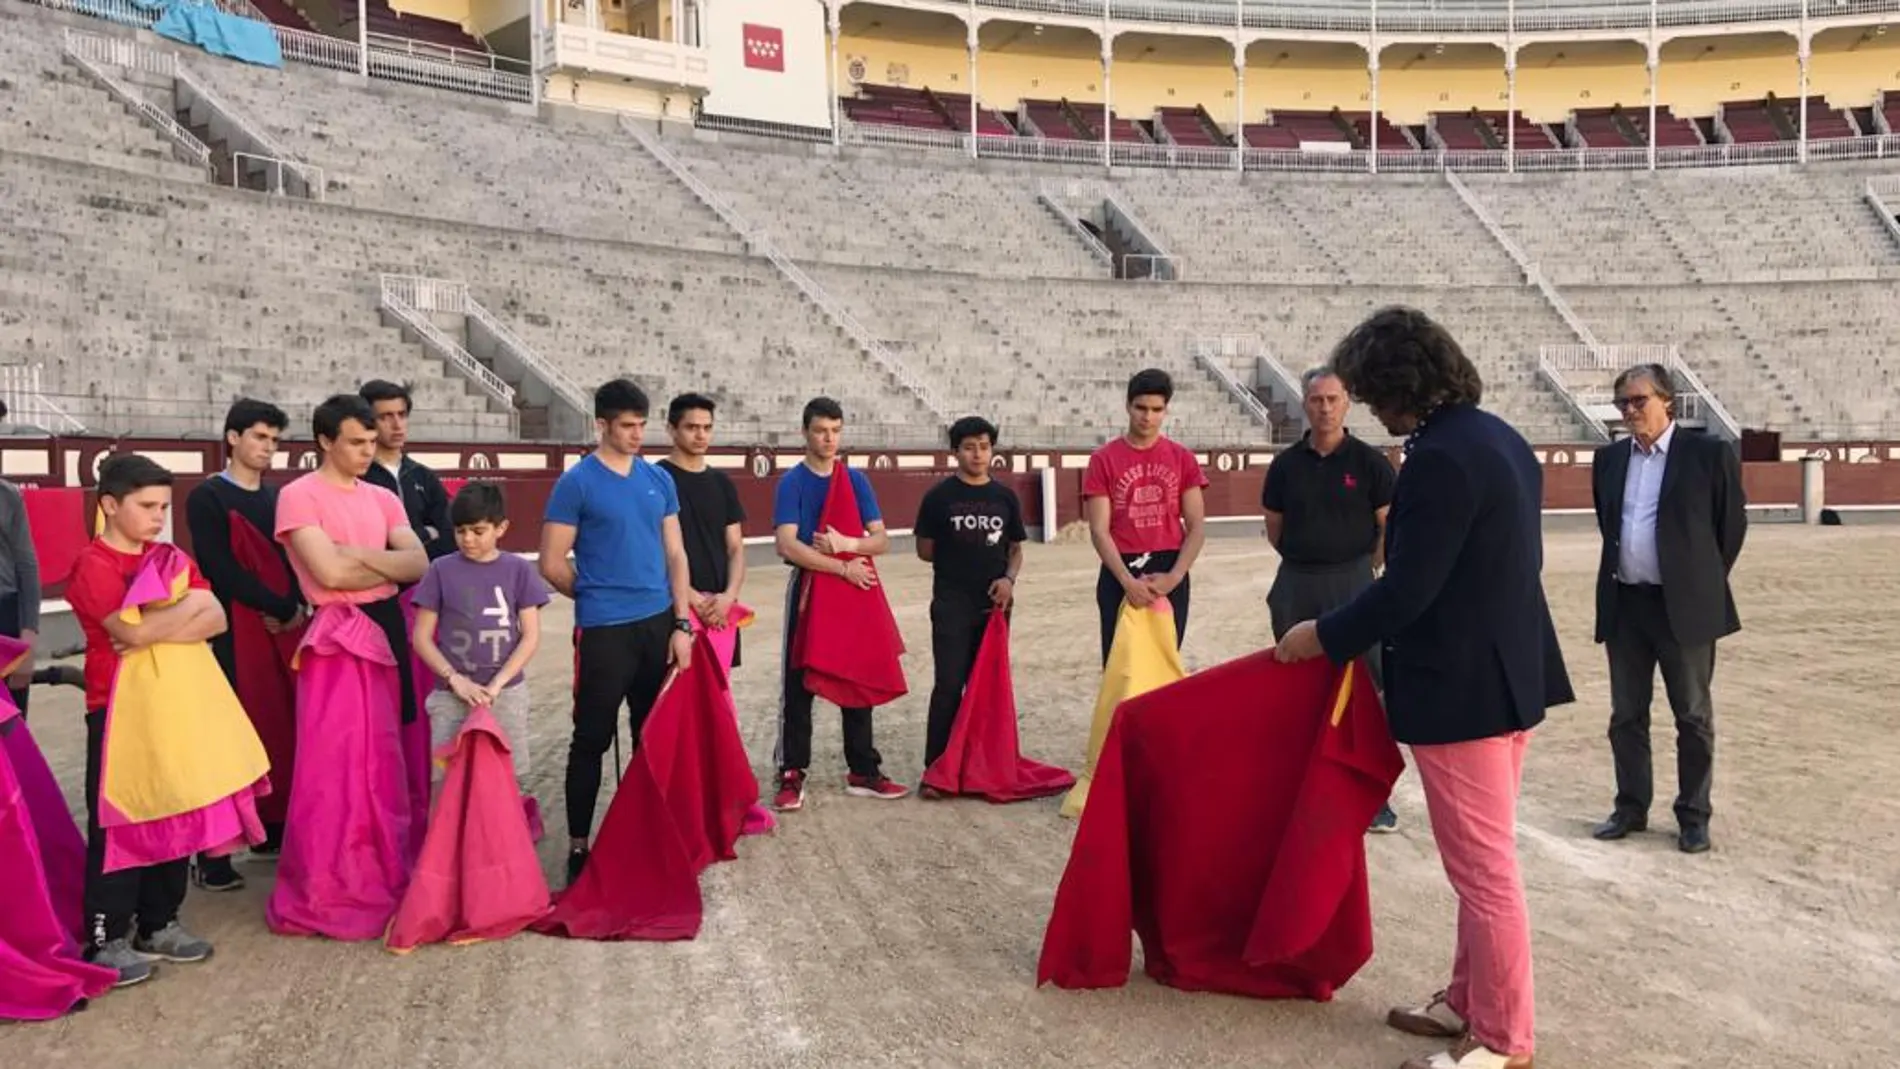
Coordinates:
1145 510
136 496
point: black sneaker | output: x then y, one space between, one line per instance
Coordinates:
272 846
576 861
216 874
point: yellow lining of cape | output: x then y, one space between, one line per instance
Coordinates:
1345 697
179 739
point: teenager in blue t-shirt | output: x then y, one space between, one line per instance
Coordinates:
632 595
797 505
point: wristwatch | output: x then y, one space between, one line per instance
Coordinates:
683 625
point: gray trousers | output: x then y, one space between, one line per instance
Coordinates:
1307 593
1640 643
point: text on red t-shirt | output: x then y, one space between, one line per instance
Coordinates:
1144 488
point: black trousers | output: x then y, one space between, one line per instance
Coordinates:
613 664
1109 595
957 624
793 751
387 615
1640 643
1302 593
151 894
10 627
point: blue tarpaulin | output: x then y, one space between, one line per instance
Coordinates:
218 33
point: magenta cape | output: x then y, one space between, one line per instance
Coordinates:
345 860
984 757
264 682
847 640
1226 827
681 806
478 878
416 738
62 848
41 976
725 643
167 680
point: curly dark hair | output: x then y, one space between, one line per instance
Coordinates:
1399 360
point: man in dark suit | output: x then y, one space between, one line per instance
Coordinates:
1471 659
1671 510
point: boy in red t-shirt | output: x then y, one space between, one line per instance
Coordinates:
1145 510
136 495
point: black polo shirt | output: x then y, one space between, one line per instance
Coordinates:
1328 502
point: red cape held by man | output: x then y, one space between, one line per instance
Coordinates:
984 757
681 805
1226 827
847 640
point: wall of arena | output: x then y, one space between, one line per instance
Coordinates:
1154 70
58 476
1019 57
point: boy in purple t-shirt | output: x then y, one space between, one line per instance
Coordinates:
478 623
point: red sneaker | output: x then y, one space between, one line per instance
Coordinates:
791 792
882 788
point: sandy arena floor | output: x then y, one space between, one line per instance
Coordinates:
871 935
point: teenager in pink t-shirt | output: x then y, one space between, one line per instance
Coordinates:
348 833
1145 510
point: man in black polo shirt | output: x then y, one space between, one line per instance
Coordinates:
710 513
1325 501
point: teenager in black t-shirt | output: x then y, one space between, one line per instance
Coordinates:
970 528
710 514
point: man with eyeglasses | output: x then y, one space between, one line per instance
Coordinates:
1673 515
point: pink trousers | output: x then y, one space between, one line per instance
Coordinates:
1471 793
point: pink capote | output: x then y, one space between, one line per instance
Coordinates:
725 642
681 806
416 739
220 828
984 757
41 976
478 878
62 847
345 860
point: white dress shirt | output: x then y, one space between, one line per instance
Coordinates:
1636 558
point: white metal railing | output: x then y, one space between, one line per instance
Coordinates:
1883 191
1211 354
1047 193
184 146
409 299
1033 149
318 50
1701 399
530 358
28 405
1150 267
1552 367
307 176
1509 244
264 149
1585 375
758 242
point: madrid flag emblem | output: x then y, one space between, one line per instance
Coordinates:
764 48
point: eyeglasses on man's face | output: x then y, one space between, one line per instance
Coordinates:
1635 402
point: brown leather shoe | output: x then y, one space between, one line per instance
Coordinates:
1469 1054
1434 1020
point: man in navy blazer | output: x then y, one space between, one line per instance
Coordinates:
1470 655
